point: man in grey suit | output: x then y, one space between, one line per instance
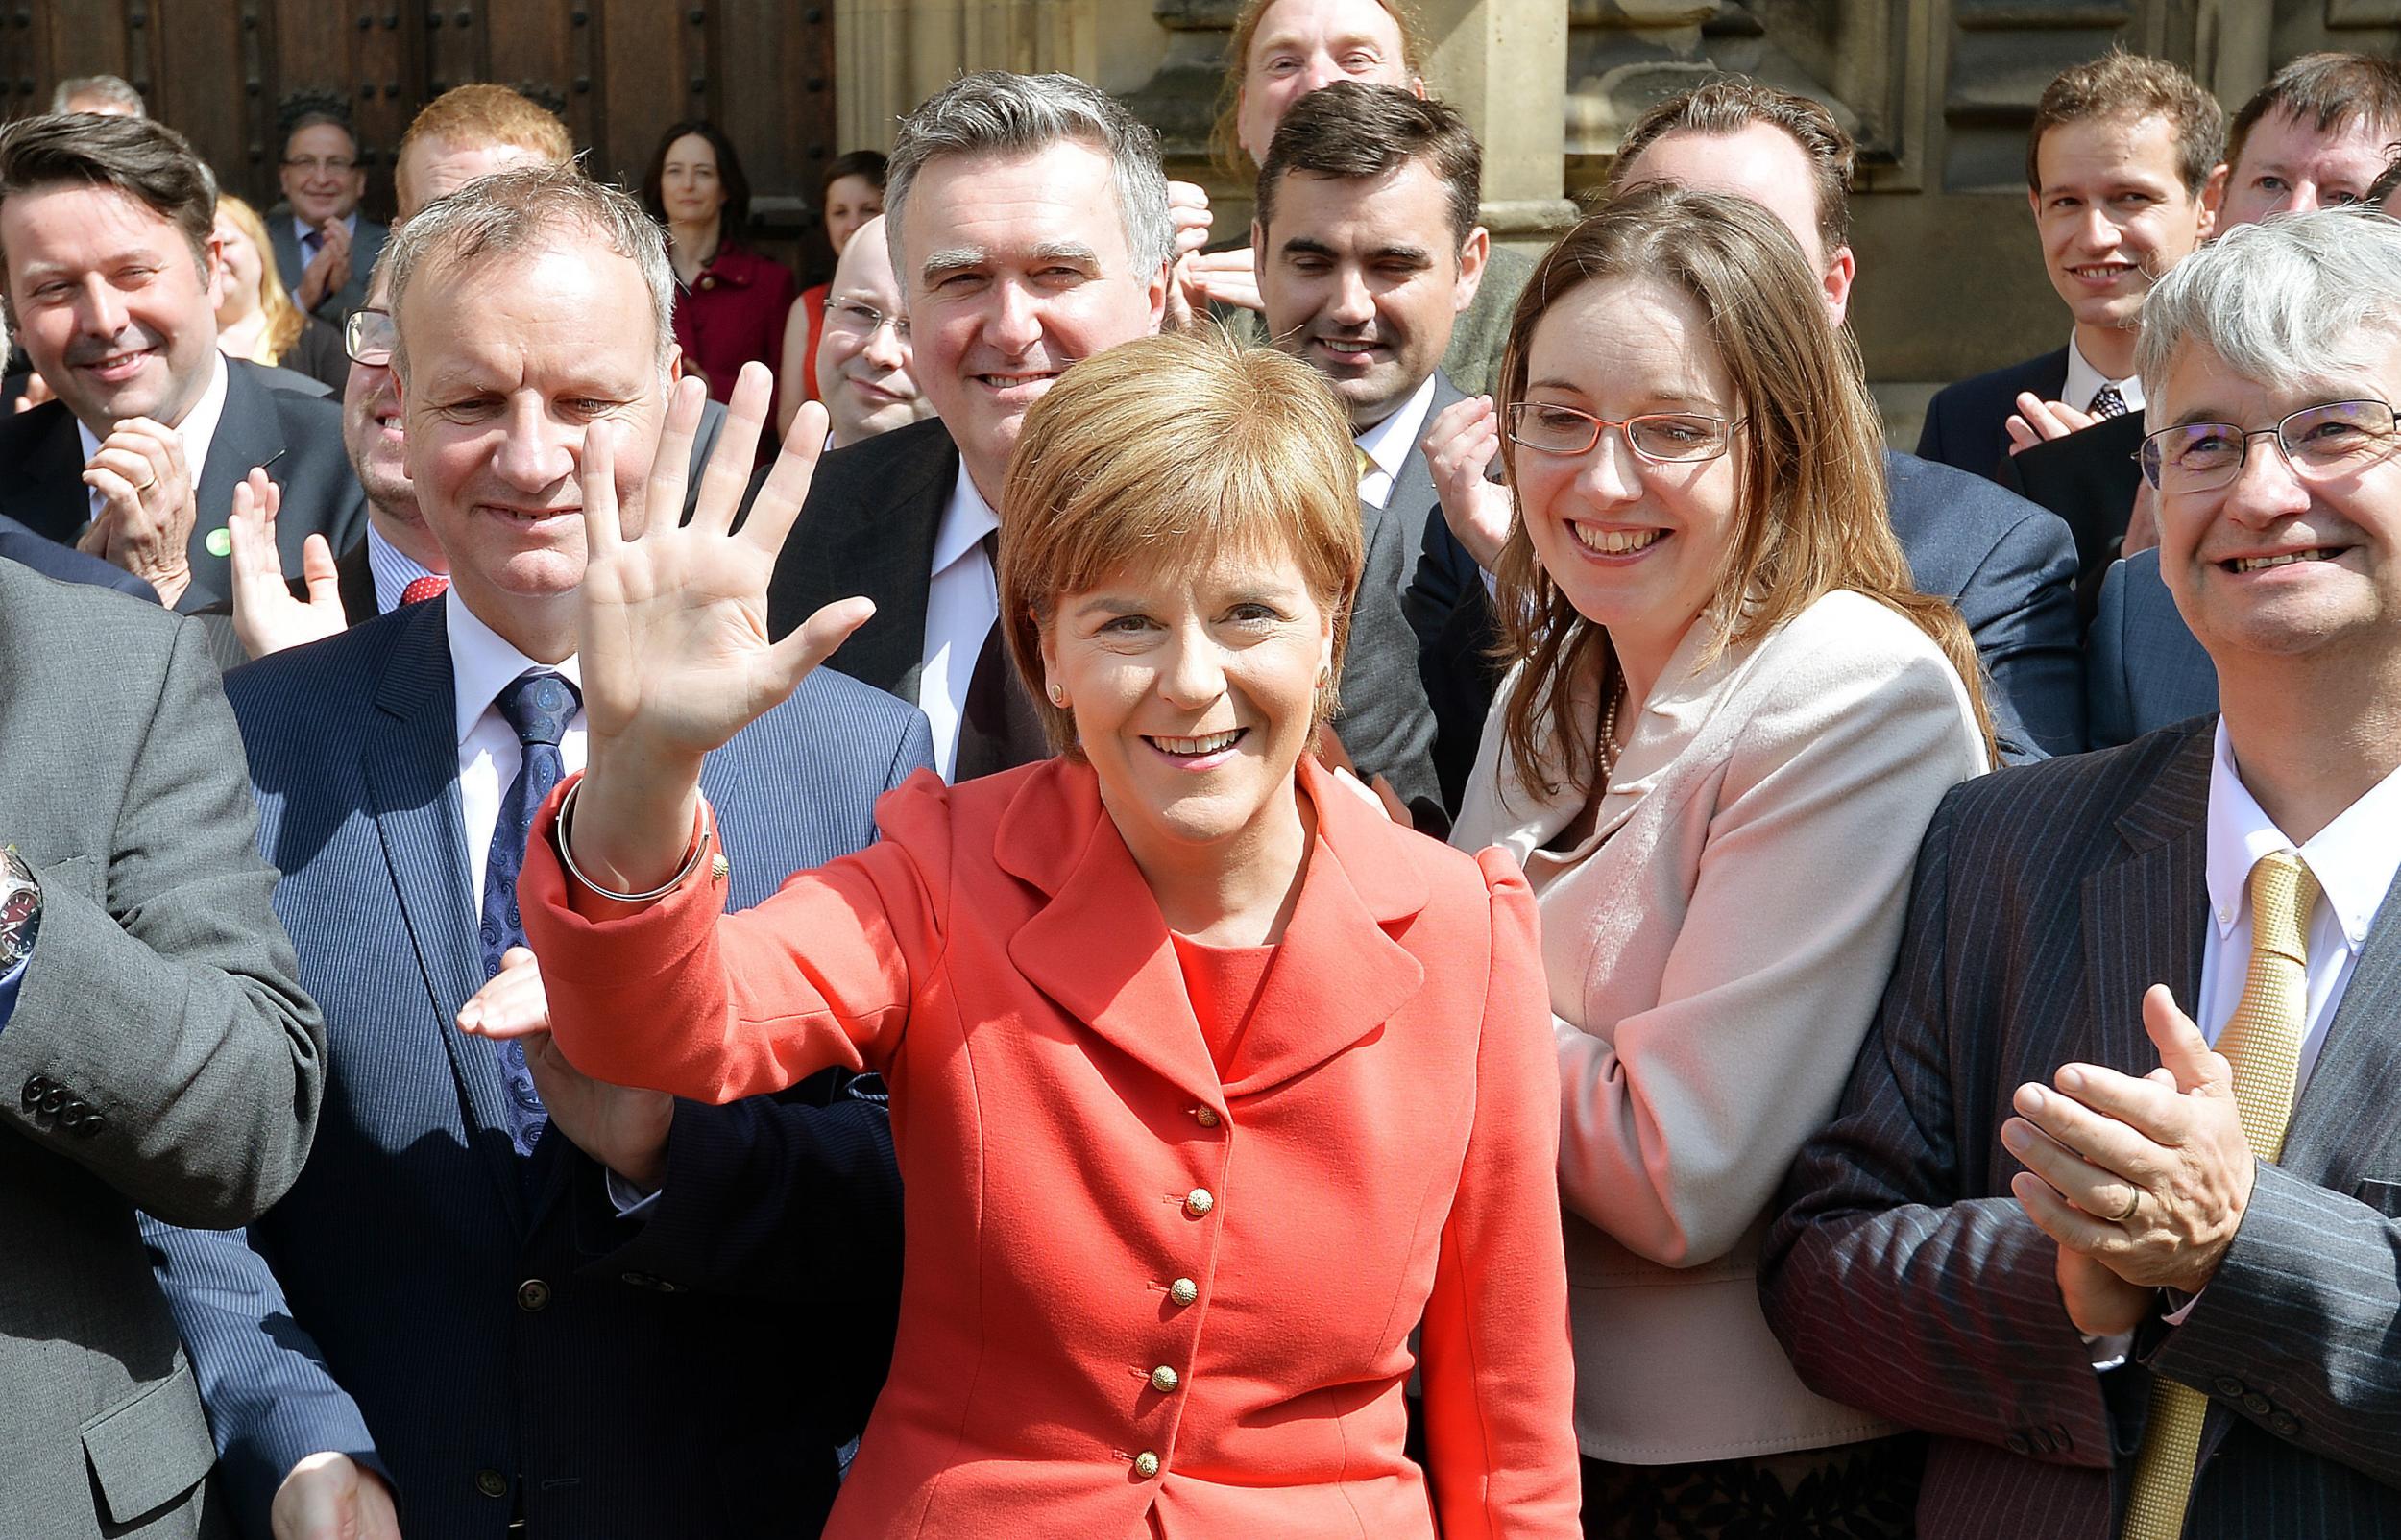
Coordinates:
324 246
2112 1205
1368 249
156 1046
1028 226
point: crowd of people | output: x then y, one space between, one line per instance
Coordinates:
1106 881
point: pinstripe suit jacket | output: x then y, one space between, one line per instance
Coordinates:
1904 1278
484 1327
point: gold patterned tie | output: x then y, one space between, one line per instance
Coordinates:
1366 463
2263 1042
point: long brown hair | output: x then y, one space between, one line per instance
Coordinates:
1810 471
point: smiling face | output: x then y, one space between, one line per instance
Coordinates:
863 357
373 432
2225 553
2114 214
510 359
2287 166
1300 45
1636 547
1194 695
319 175
1362 282
1017 268
850 201
688 183
112 305
238 265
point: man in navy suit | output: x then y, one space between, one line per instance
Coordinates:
2007 565
486 1298
2123 174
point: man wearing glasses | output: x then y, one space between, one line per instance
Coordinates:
2111 1206
324 246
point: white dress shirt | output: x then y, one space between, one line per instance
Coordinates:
2083 379
489 756
197 430
394 569
1391 443
962 602
2354 859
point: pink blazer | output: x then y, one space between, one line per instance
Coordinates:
1139 1300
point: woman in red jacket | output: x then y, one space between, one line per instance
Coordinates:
1209 1085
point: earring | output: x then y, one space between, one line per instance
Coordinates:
1058 697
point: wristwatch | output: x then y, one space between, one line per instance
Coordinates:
20 909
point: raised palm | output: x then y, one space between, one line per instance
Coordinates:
676 657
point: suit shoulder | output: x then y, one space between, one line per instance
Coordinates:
875 463
84 619
332 676
2005 381
21 432
1991 813
858 706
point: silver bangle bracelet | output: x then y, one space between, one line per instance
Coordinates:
566 855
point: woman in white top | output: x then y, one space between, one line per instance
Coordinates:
1729 721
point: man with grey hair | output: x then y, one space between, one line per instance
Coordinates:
1028 221
104 95
556 1241
2109 1206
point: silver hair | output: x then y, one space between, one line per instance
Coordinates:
2287 300
517 212
994 112
108 88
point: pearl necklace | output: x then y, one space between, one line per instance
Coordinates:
1609 735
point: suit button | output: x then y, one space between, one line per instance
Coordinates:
1163 1380
2229 1386
2285 1425
492 1484
2257 1405
1199 1202
2065 1440
1145 1465
533 1294
1183 1290
37 1086
2017 1444
54 1099
1208 1119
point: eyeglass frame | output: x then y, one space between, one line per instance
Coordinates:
350 348
1601 426
883 318
336 164
2154 468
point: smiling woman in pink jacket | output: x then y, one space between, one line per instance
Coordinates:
1209 1085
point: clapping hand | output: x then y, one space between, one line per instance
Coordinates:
329 272
266 617
676 657
1460 445
147 506
327 1496
2146 1177
2039 422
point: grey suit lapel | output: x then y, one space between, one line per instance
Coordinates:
2143 915
249 434
1413 485
412 776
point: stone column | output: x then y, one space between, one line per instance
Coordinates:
1503 63
890 55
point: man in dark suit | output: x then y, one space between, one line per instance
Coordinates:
556 1237
106 231
2124 177
2007 565
2158 1300
155 1042
1368 249
324 246
1030 229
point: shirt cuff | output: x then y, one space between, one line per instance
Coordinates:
630 1201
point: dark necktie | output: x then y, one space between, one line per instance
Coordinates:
998 728
2107 403
539 705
